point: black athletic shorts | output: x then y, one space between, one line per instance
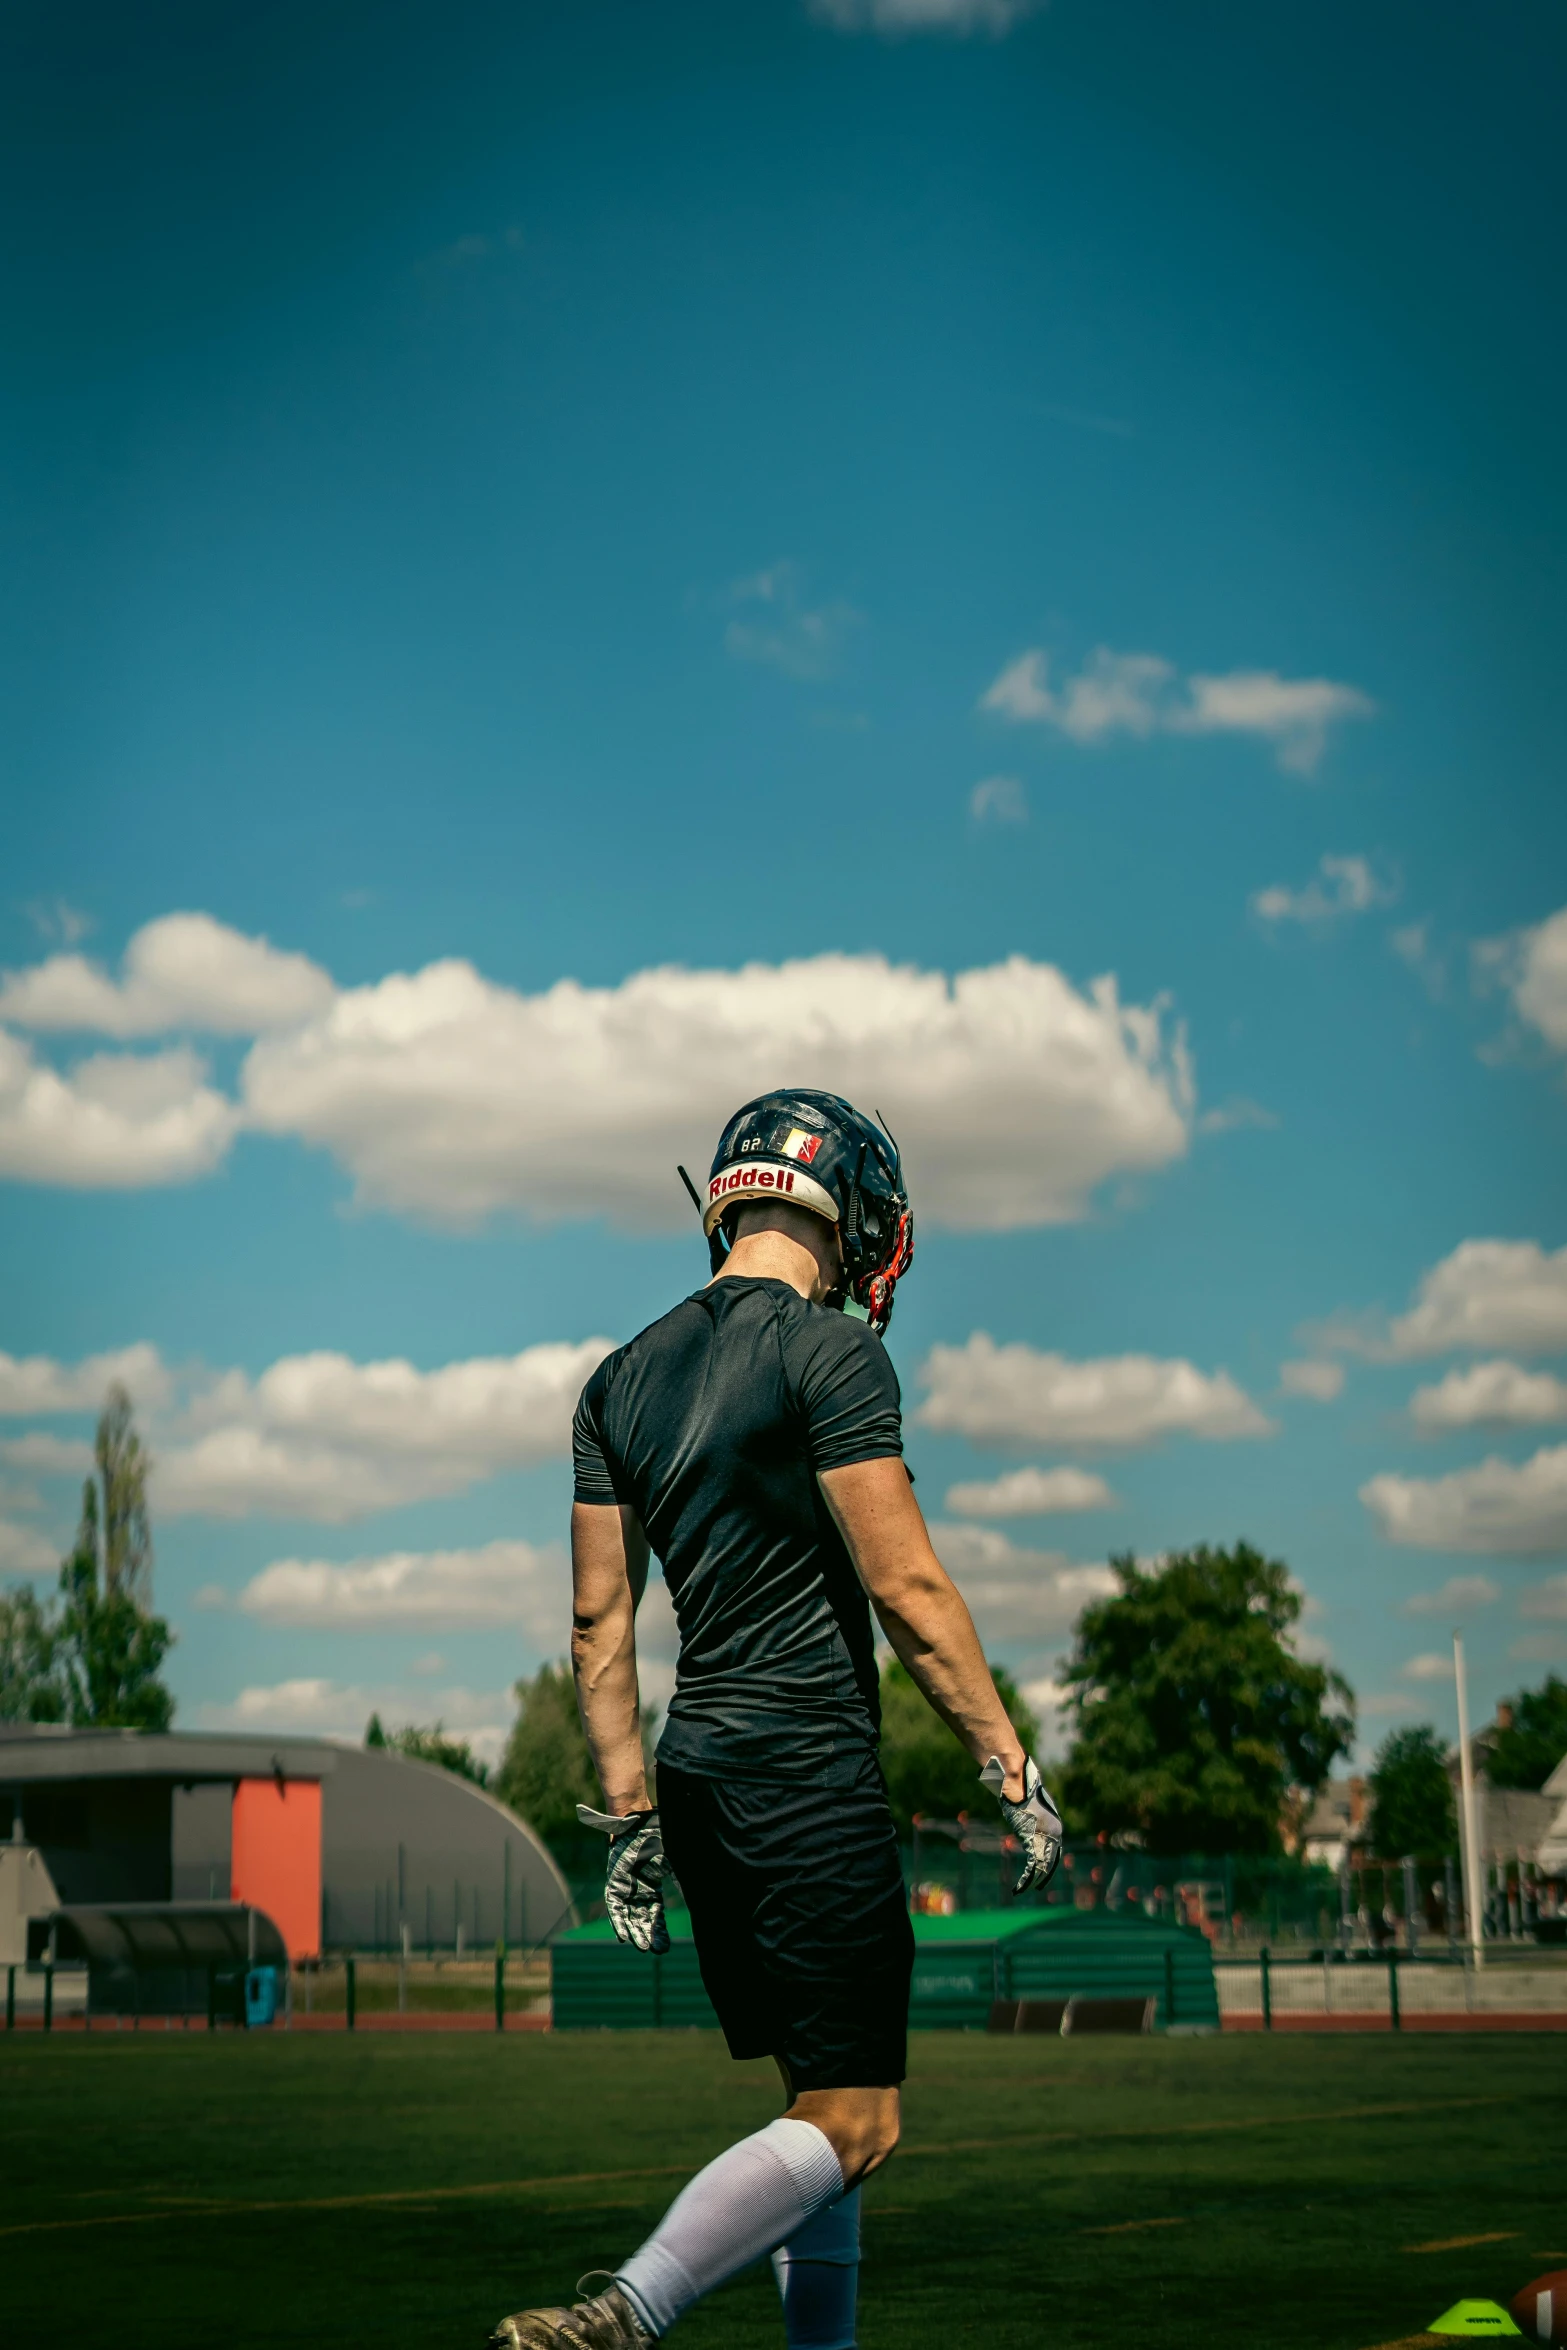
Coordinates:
801 1920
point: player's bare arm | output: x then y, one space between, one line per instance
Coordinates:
920 1608
609 1561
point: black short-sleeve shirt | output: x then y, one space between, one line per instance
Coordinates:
712 1426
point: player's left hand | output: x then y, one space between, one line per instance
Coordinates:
634 1876
1035 1822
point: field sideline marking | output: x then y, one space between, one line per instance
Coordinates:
1460 2243
1127 2227
685 2170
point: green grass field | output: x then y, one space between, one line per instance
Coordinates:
166 2192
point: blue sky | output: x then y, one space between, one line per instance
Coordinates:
684 533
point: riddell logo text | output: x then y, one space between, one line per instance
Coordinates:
751 1179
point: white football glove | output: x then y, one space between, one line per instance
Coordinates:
634 1876
1035 1822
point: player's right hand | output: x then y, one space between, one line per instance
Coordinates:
1035 1822
634 1875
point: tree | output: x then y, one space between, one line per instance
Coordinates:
109 1646
122 1462
1194 1715
927 1769
30 1684
1412 1796
1535 1741
432 1746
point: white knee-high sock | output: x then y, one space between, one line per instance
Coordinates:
752 2198
818 2274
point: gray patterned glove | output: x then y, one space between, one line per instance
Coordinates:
1035 1822
634 1876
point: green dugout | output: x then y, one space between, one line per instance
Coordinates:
962 1965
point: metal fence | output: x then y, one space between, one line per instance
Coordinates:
1392 1984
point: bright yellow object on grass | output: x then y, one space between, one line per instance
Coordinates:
1474 2320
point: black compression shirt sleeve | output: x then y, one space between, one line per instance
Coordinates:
590 1462
848 1392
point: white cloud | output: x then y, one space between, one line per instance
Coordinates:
1000 799
454 1098
1532 965
333 1709
1434 1666
1413 947
1322 1382
24 1551
503 1583
1456 1595
1488 1293
36 1385
48 1456
1014 1395
1238 1112
57 918
116 1121
773 623
1546 1600
1384 1702
1498 1506
1141 694
320 1436
182 971
1495 1394
1016 1594
1342 885
1031 1493
894 18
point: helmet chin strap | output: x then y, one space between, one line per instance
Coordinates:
717 1249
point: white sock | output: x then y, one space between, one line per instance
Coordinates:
818 2274
757 2195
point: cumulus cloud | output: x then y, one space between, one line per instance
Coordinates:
999 799
24 1551
499 1584
450 1097
1015 1594
182 971
1532 965
453 1098
1340 886
1495 1395
48 1456
116 1121
334 1709
895 18
1547 1600
772 622
1322 1382
1498 1506
1434 1666
998 1395
1141 694
1031 1493
320 1436
1454 1597
1488 1293
36 1386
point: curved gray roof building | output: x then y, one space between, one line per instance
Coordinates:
129 1815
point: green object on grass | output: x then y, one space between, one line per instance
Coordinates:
1474 2320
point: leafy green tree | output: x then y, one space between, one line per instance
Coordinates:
109 1646
1526 1753
1412 1796
1194 1715
31 1689
432 1746
122 1463
927 1770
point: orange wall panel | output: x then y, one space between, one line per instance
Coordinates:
276 1863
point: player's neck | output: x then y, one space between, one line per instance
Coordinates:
774 1256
